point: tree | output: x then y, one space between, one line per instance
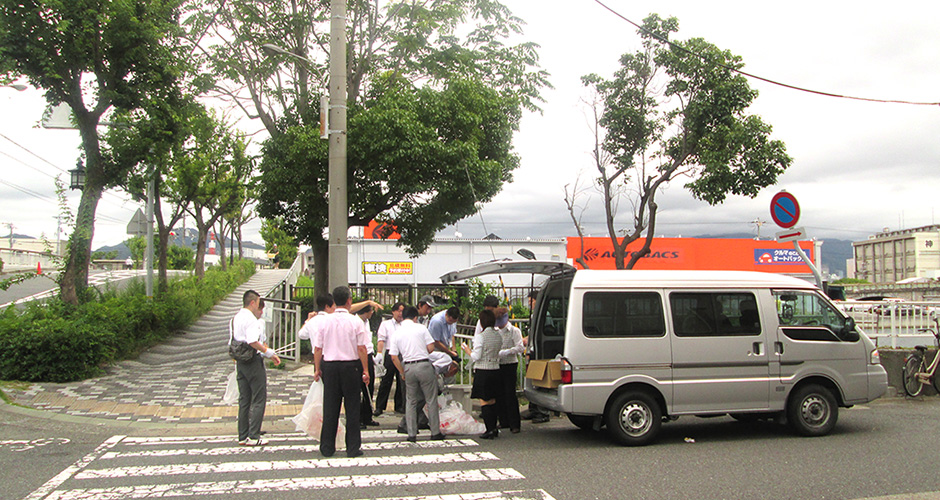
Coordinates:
93 56
179 257
676 110
448 46
278 242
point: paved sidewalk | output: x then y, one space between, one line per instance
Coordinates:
166 386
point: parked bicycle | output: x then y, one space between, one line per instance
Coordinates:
916 372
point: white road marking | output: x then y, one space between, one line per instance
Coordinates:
486 495
247 450
296 436
69 471
216 468
290 484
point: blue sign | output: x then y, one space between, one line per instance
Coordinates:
776 256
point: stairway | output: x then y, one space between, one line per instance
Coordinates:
206 340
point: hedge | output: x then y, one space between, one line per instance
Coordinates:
55 342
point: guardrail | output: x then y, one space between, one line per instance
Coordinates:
897 322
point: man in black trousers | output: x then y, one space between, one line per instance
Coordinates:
340 358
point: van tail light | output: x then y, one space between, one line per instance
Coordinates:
875 357
565 371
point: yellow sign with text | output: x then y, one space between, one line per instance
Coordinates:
387 267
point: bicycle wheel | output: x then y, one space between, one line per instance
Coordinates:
912 366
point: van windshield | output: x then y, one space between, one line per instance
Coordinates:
550 319
798 308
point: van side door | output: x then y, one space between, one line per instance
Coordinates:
720 355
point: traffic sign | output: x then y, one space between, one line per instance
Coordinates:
793 234
138 224
785 210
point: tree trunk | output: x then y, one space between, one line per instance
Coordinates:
321 251
75 278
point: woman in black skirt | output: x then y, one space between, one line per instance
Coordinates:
487 381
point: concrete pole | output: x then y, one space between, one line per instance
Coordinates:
148 255
338 210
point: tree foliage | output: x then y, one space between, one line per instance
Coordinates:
677 110
93 56
278 242
406 161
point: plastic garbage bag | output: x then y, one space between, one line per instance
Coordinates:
310 418
231 390
454 420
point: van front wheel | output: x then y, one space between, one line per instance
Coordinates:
634 418
813 410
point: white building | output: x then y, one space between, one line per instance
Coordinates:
376 261
892 256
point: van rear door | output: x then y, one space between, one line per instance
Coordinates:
720 361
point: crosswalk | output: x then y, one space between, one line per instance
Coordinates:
125 467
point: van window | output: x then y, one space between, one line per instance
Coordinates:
714 314
622 314
797 309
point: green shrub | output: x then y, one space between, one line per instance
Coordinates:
56 342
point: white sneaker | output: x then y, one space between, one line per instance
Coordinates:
242 442
253 442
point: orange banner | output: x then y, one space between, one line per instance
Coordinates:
716 254
381 231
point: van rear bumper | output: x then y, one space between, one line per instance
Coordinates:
546 398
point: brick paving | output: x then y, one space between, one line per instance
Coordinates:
170 387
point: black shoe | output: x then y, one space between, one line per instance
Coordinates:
327 453
402 430
515 430
362 427
437 437
491 434
541 419
354 454
376 413
372 423
413 439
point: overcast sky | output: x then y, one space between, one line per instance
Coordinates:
858 166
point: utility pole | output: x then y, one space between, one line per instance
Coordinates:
58 232
148 255
10 225
758 223
338 210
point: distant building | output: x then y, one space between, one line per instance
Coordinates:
892 256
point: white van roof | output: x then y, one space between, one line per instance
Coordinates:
686 279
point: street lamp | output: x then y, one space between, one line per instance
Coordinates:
526 253
19 87
77 176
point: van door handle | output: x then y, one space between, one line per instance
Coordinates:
778 348
757 349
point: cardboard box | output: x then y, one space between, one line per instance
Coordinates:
544 373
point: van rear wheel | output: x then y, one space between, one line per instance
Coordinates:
634 418
812 410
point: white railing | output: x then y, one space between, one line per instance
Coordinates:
900 323
285 315
465 374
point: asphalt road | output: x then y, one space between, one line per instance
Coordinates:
888 448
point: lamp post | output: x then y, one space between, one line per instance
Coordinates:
77 176
19 87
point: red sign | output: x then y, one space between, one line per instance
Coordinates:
715 254
785 210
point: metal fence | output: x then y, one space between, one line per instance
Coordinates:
283 315
465 335
898 323
409 294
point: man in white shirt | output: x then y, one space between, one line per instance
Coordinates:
414 343
386 331
248 327
339 355
425 306
365 406
325 306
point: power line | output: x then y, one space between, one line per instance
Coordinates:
751 75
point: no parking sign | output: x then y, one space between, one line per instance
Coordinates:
785 210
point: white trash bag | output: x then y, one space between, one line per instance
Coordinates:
454 420
310 418
231 390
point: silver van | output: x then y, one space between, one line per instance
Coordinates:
636 348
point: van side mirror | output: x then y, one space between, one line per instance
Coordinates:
849 333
